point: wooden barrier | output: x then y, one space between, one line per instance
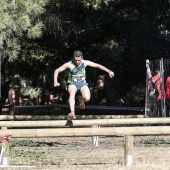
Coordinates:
129 132
75 132
88 122
34 131
64 117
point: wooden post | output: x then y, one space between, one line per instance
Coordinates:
5 151
5 154
95 139
128 150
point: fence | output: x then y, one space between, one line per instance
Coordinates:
34 129
157 106
64 117
88 122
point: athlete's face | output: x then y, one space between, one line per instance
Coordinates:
77 60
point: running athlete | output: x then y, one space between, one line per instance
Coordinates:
77 80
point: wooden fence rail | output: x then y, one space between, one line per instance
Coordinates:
75 132
33 129
64 117
88 122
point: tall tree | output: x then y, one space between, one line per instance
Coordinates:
19 21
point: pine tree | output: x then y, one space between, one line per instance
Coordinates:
19 20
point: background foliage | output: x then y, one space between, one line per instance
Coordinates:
38 36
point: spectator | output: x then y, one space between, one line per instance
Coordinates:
6 96
155 100
167 95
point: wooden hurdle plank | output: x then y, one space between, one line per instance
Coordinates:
88 122
104 131
64 117
84 132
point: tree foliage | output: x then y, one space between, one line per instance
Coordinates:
118 34
18 21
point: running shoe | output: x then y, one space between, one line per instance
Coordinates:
81 103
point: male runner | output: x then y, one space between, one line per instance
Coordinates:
77 80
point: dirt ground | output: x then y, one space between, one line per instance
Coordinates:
77 153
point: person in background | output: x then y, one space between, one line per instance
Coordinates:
77 80
6 96
155 100
167 95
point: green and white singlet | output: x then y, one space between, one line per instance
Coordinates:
77 73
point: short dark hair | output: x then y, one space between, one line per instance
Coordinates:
157 71
7 83
77 53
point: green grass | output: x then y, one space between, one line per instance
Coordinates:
154 142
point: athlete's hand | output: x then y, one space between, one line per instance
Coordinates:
111 74
56 84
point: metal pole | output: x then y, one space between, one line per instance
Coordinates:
148 77
163 108
95 139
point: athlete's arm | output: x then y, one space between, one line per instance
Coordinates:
99 66
58 70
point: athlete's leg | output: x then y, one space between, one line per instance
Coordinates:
72 92
85 94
